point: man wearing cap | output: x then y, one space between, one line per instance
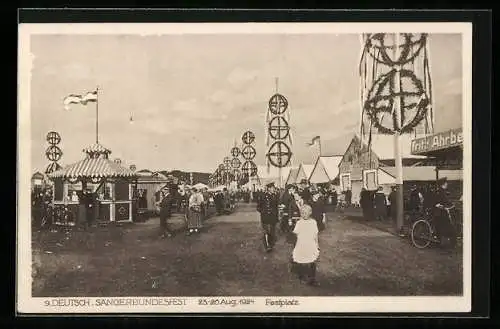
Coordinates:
442 223
268 208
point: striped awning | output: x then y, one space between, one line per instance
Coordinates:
96 148
93 167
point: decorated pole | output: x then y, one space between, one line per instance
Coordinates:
398 160
398 99
97 115
279 154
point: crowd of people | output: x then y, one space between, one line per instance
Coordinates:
425 200
195 205
300 212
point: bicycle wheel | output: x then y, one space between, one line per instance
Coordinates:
421 234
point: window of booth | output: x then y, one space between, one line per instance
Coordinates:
104 191
345 181
370 181
58 190
121 191
74 192
142 198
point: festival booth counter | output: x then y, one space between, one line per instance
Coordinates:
111 185
446 150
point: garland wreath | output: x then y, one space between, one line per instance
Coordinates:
373 109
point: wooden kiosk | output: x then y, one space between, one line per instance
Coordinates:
111 184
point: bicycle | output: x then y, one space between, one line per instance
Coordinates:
423 231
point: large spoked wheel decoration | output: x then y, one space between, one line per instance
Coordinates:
95 180
235 163
421 234
53 153
279 154
249 152
278 104
72 180
53 138
248 137
278 128
249 168
381 47
235 152
382 96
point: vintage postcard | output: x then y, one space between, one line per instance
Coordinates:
251 168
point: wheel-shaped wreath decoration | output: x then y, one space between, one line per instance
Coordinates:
381 47
279 154
248 152
235 163
414 102
122 211
249 168
53 153
235 152
278 128
72 180
53 138
248 137
278 104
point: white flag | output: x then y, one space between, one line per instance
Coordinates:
72 99
91 96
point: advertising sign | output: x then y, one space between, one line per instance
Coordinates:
438 141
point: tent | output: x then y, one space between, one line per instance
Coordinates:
326 169
292 176
200 186
304 172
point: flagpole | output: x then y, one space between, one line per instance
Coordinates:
97 116
319 145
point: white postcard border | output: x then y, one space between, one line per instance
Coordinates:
27 304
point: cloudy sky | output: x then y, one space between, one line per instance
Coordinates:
191 96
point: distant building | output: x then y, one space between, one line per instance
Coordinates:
360 163
38 179
148 185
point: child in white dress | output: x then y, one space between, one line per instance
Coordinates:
306 250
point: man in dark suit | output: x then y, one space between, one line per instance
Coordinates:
444 226
268 208
165 213
305 192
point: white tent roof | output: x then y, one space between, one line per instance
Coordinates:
305 171
292 175
326 169
200 186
